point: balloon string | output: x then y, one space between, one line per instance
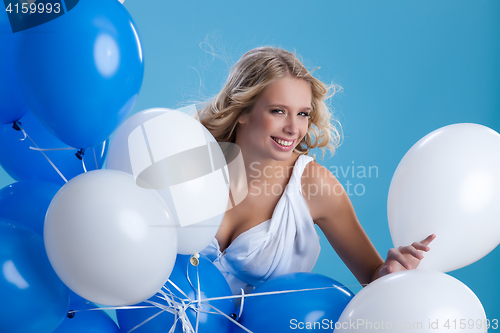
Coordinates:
48 159
79 154
95 159
171 303
179 308
165 297
197 289
242 303
52 149
199 298
274 293
17 126
83 164
184 305
131 307
147 320
67 148
178 289
231 319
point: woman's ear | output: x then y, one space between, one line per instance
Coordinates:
243 118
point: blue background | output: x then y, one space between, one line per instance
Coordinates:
406 67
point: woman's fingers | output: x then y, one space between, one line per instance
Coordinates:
399 257
390 267
413 250
420 246
429 239
403 256
398 254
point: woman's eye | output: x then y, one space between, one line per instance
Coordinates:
305 114
277 111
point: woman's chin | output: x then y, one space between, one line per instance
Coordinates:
282 156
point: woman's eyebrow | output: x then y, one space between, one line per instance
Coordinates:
278 106
307 108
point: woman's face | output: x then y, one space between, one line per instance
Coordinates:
278 121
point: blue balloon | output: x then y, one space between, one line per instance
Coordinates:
26 203
76 299
290 312
81 72
12 103
22 163
33 297
212 284
82 319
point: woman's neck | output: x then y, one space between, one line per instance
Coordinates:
260 168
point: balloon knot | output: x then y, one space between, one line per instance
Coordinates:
15 125
194 260
71 314
79 154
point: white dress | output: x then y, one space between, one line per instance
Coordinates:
286 243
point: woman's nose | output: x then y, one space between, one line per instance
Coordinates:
291 126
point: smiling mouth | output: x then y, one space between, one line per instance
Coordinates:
283 143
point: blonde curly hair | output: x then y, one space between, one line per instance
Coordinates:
255 70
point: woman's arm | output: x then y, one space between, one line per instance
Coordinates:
333 212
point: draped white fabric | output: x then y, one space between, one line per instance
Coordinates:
286 243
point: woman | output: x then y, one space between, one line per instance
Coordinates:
273 109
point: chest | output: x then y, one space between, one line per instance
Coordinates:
257 207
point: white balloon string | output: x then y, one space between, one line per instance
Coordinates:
145 321
179 306
165 297
231 319
199 298
179 310
198 293
48 159
271 293
178 289
242 302
163 307
116 308
95 159
83 164
17 127
180 313
52 149
196 289
171 303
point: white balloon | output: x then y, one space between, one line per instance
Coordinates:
109 240
448 184
174 154
414 301
118 157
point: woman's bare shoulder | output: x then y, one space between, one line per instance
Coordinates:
321 189
316 174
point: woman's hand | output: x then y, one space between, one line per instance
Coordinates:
405 257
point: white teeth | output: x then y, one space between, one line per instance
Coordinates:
282 142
